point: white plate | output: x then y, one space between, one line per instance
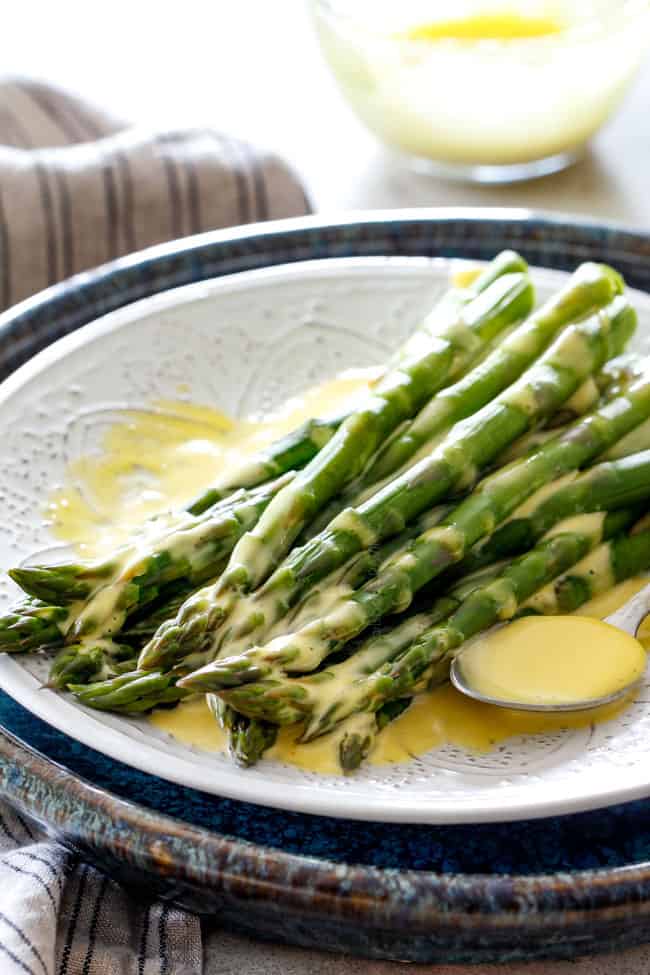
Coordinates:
229 338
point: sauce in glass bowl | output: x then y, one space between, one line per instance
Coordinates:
484 90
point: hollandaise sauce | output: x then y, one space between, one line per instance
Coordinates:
552 660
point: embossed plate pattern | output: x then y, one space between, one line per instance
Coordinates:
229 338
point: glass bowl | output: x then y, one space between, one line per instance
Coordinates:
479 90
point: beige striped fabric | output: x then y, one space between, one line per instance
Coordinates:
79 188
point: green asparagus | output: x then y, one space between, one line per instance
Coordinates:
610 563
181 547
605 487
32 625
427 659
298 448
132 692
89 660
579 351
286 701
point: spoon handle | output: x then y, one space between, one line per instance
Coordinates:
630 616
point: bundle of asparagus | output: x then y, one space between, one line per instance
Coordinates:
332 578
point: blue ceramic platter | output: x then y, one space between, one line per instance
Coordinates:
551 887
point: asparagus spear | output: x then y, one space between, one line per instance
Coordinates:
286 701
247 740
435 361
133 692
612 562
193 548
605 487
32 625
576 353
298 448
585 292
427 659
603 568
612 380
92 659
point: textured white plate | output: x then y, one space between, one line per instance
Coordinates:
246 343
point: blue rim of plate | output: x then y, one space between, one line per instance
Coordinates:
478 892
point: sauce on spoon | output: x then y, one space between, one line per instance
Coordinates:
551 661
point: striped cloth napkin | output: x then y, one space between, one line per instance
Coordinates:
78 188
60 916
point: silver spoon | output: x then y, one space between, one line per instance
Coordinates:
628 619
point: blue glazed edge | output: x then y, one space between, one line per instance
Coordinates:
599 840
443 902
544 239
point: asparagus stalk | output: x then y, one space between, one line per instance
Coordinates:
427 659
92 659
613 379
32 625
576 353
597 572
133 692
435 361
287 701
584 293
612 562
193 549
247 740
605 487
298 448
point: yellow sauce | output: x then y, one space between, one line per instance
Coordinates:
552 660
505 25
156 460
445 717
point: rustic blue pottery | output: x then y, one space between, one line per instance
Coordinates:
546 888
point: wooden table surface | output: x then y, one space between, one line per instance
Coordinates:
253 69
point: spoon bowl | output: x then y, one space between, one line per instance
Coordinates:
628 619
